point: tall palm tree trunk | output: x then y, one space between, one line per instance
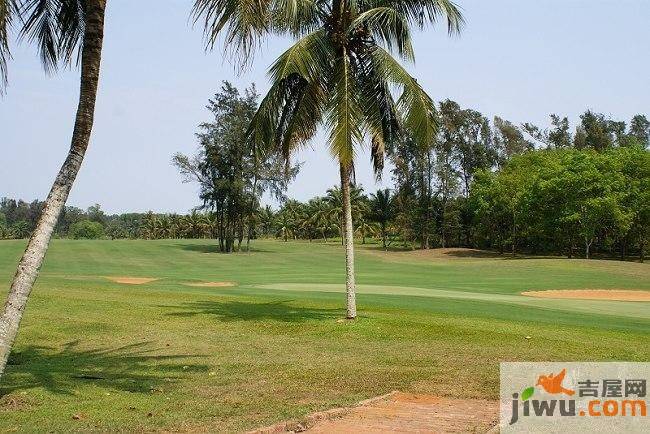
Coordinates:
348 235
32 259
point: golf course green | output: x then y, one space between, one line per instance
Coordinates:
232 342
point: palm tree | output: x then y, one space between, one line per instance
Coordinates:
61 29
288 219
194 225
382 211
306 216
149 229
266 217
320 216
285 225
20 229
339 73
365 228
336 202
4 232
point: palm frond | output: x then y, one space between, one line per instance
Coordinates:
416 107
423 12
310 58
345 116
288 116
243 21
71 23
8 13
381 115
304 114
298 17
56 27
40 27
388 25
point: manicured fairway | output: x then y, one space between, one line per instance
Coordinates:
94 354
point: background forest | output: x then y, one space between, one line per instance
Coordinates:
481 184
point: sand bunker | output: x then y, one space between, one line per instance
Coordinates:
211 284
132 280
592 294
399 412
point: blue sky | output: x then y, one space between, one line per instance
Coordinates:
521 60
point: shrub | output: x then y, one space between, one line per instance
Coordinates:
86 229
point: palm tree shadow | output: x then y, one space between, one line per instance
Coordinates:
138 368
240 311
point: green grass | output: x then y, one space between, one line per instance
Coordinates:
168 356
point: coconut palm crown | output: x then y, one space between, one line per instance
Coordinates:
55 27
341 73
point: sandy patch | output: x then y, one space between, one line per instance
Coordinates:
592 294
400 412
132 280
211 284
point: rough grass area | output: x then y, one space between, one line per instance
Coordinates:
94 354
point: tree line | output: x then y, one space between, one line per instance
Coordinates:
556 201
480 184
447 193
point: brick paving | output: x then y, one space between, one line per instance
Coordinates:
403 413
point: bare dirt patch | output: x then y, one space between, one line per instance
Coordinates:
400 412
592 294
132 280
14 403
211 284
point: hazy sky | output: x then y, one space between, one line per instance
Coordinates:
518 59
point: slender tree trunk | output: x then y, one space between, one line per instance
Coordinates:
350 289
514 236
32 259
501 243
642 248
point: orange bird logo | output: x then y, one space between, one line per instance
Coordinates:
553 383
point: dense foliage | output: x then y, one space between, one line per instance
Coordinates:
558 200
230 169
87 230
481 184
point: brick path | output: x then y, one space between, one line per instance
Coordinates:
405 413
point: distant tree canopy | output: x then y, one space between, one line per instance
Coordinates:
557 200
433 184
231 170
87 230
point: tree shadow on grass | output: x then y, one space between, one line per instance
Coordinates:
137 368
458 252
214 248
475 253
240 311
